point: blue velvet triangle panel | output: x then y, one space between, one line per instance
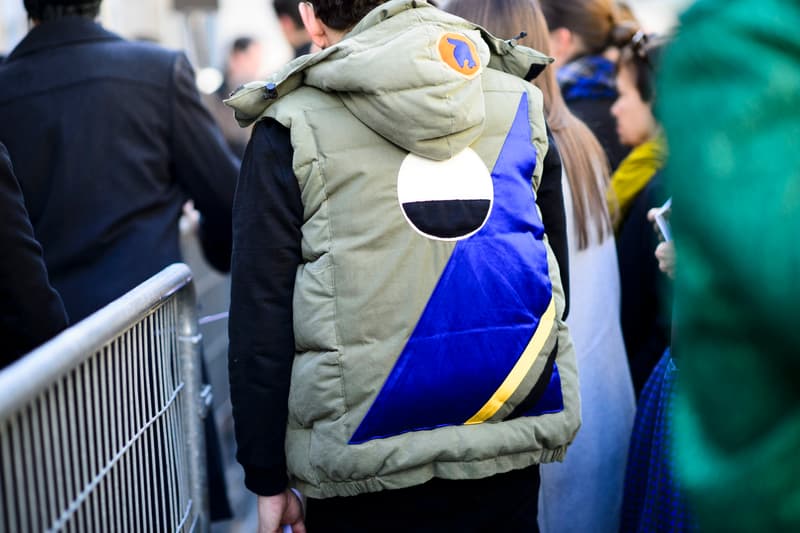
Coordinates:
482 314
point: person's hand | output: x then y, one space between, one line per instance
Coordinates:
190 218
665 253
651 216
282 509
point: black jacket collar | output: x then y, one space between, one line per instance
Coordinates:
64 31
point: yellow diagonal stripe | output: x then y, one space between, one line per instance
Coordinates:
520 370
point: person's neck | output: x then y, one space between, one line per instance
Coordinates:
333 36
32 22
656 134
574 51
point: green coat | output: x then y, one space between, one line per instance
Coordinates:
418 343
736 181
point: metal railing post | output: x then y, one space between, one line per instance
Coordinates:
190 353
97 429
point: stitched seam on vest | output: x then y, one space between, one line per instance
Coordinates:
504 91
432 33
324 185
546 454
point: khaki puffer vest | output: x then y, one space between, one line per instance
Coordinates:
427 308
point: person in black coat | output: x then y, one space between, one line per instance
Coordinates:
109 138
646 296
31 311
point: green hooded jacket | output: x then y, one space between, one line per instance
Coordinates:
736 181
427 309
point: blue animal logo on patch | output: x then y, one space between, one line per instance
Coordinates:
459 53
462 53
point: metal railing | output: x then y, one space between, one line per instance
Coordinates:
101 428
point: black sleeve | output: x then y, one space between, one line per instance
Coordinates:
550 199
31 311
267 218
203 165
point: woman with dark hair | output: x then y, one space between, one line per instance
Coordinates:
636 187
653 500
584 35
584 493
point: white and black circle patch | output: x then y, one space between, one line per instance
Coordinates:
447 200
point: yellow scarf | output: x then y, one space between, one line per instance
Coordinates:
632 175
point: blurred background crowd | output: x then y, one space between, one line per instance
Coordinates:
206 29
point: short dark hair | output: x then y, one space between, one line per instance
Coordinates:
44 10
288 8
642 55
343 14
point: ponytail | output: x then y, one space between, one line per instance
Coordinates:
621 33
599 23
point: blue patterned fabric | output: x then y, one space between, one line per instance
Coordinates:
653 501
590 77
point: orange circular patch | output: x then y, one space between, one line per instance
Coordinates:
459 53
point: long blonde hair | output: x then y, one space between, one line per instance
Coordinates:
583 158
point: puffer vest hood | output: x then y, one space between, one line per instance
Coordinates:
389 72
427 309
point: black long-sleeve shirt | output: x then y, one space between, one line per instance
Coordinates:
550 199
267 217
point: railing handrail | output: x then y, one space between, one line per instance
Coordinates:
25 379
